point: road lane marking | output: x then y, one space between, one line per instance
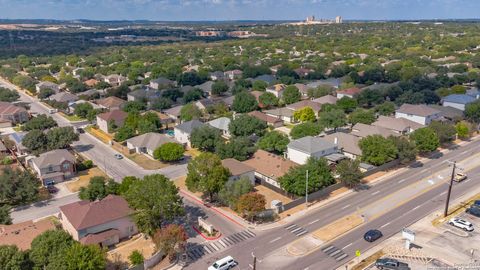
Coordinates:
467 180
443 193
347 246
316 220
376 192
346 206
275 240
401 181
385 225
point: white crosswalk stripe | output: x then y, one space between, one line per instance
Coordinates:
335 252
295 229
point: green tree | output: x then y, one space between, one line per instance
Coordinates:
46 247
259 85
369 98
320 91
291 94
206 138
332 119
425 139
246 125
206 174
11 258
98 188
35 141
305 129
377 150
445 131
304 114
458 89
192 95
189 112
171 240
60 137
169 152
155 200
161 104
7 95
148 122
124 133
133 106
5 218
407 150
472 111
219 87
274 141
362 116
319 176
347 104
250 205
387 108
268 100
232 190
40 122
17 187
45 93
463 130
83 110
124 186
136 258
78 256
244 102
349 171
240 148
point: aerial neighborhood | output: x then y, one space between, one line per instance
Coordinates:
176 154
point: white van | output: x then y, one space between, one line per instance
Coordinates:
223 264
52 110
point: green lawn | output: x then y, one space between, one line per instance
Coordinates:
72 118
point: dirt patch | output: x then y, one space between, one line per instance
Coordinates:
368 261
180 183
121 252
192 152
141 160
271 195
337 228
374 176
83 179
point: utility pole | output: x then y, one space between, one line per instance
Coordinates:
445 214
254 265
306 190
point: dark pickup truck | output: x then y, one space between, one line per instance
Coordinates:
387 263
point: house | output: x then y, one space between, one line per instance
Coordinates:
222 124
116 117
183 131
162 83
64 97
305 103
269 167
47 85
398 125
115 79
17 138
421 114
271 120
362 130
228 100
144 94
328 99
203 104
303 89
448 113
147 143
350 92
89 94
266 78
217 75
174 112
206 87
346 143
300 150
284 114
277 90
303 72
238 170
74 104
22 234
103 222
111 103
330 82
91 82
234 74
54 166
12 113
457 101
165 120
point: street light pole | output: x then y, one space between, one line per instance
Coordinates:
306 190
254 266
445 214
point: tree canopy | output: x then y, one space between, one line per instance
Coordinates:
319 176
206 138
274 142
169 152
246 125
244 102
425 139
206 174
377 150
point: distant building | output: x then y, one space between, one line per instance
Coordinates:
421 114
47 85
458 101
277 90
116 116
12 113
148 142
209 33
111 103
300 150
115 79
350 92
221 124
338 19
162 83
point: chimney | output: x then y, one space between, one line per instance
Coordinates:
335 141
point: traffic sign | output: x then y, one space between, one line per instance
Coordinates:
357 253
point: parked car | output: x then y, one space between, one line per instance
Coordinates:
118 156
459 177
387 263
474 211
223 264
461 224
52 189
372 235
80 130
476 203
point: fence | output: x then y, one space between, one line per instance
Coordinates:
150 262
323 193
383 167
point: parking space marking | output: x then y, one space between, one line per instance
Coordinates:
347 246
316 220
275 240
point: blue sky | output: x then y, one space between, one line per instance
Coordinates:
173 10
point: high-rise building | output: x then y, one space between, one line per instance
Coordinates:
338 19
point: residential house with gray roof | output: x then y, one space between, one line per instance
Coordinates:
184 131
54 166
458 101
300 150
162 83
64 97
346 143
421 114
221 124
148 142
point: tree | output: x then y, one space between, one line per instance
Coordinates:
370 97
40 122
472 111
305 129
219 87
124 133
169 152
171 240
11 258
332 119
407 150
8 95
190 78
46 246
45 93
463 130
259 85
161 103
320 91
319 176
35 141
206 174
78 256
377 150
349 171
232 190
347 104
60 137
387 108
445 131
83 110
192 95
251 204
148 122
246 125
5 218
155 200
291 94
17 187
244 102
240 148
133 106
304 114
268 100
425 139
98 188
206 138
124 186
274 141
362 116
190 112
136 258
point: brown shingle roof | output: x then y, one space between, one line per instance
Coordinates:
22 234
420 110
396 124
328 99
116 115
96 238
347 142
269 164
305 103
350 91
267 118
236 167
110 102
86 214
363 130
8 108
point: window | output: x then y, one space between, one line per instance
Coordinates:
66 166
50 168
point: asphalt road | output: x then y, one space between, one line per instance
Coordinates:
267 243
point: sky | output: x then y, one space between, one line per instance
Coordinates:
218 10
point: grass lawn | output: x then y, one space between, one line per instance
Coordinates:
17 128
83 179
124 249
193 152
72 118
143 161
368 261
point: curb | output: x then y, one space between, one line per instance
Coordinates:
206 237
